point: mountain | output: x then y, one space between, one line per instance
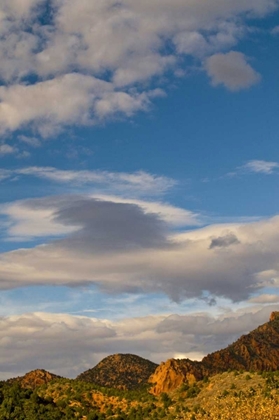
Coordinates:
256 351
219 386
122 371
34 378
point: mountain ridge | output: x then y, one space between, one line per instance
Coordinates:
256 351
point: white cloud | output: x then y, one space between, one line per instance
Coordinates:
232 70
68 345
26 223
6 149
260 166
256 167
115 50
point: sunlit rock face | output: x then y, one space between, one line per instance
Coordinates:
173 373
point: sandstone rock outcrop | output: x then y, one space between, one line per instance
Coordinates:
173 373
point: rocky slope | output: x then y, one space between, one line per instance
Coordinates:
256 351
122 371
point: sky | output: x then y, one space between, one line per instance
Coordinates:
139 163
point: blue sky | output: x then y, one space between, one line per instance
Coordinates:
139 178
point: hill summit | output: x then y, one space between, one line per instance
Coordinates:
122 371
34 378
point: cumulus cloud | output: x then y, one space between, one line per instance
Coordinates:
67 345
231 70
62 101
195 43
122 247
92 61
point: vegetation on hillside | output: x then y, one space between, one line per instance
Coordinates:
226 396
123 371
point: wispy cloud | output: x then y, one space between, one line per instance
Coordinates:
261 166
6 149
256 167
30 141
136 183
